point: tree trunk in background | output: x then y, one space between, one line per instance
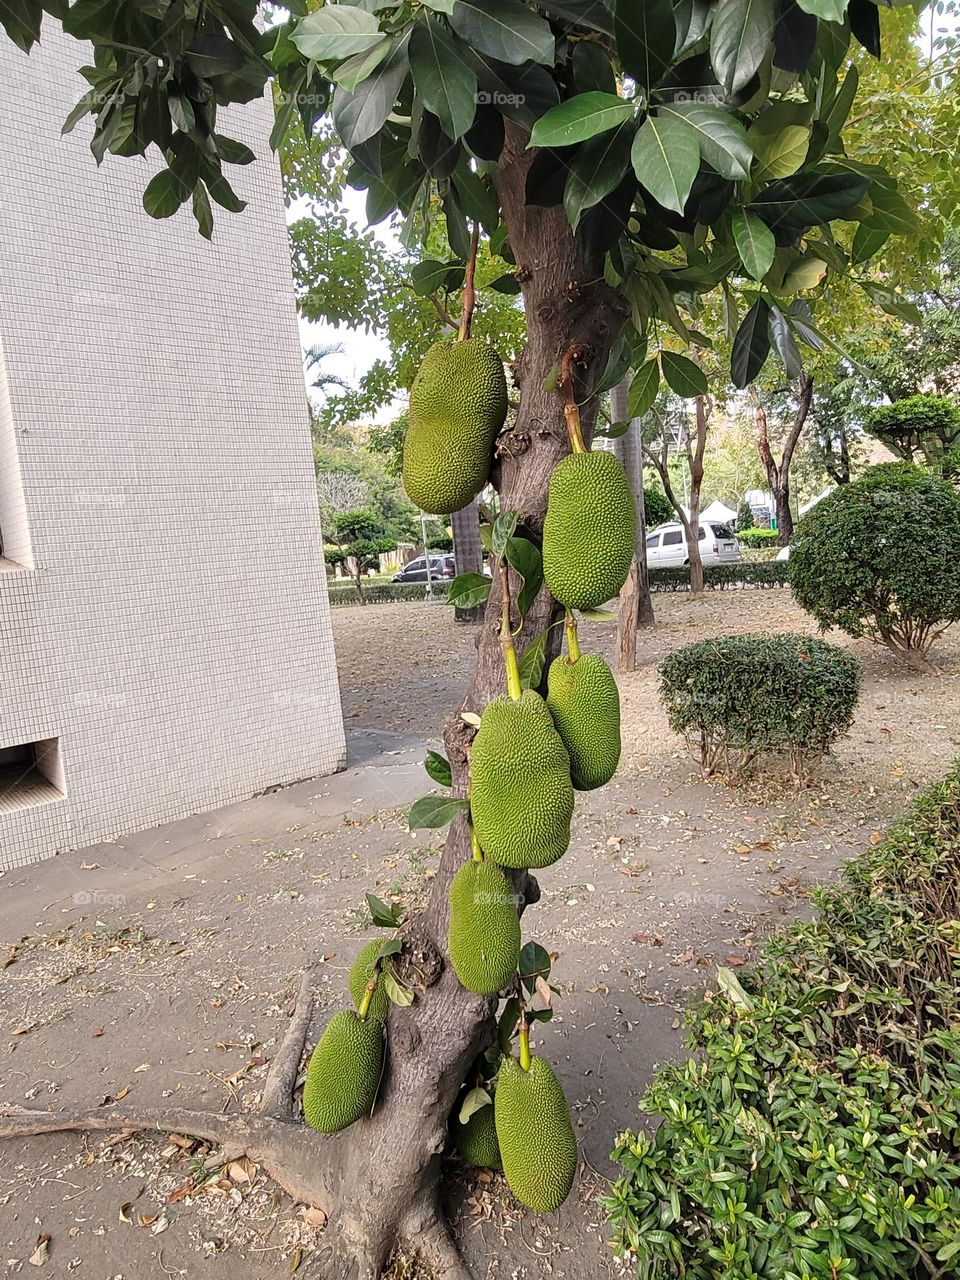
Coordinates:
636 603
778 474
702 410
468 553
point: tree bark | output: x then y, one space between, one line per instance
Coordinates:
778 473
694 455
468 553
636 603
378 1182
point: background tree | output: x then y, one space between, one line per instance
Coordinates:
358 537
671 426
778 472
919 429
745 518
635 607
623 170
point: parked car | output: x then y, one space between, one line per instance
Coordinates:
667 545
441 566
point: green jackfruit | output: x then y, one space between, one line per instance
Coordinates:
484 936
585 704
589 531
359 977
458 405
344 1072
537 1145
476 1141
521 798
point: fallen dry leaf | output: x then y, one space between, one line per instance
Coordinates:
41 1254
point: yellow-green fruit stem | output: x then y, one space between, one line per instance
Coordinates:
475 845
525 1046
511 666
573 645
363 1008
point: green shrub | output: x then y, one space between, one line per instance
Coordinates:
387 593
657 508
756 537
879 558
919 428
733 697
816 1134
744 573
744 517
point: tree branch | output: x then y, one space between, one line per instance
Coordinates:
277 1099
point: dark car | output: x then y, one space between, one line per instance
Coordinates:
441 567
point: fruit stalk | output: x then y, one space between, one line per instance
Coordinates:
524 1029
571 410
363 1008
514 688
475 845
469 299
573 645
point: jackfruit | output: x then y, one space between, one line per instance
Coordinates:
484 935
585 704
589 531
476 1141
344 1072
537 1146
458 405
521 798
359 977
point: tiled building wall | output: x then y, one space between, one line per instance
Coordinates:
163 609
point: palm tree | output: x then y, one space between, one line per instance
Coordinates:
317 379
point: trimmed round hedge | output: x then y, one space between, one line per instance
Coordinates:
736 696
879 558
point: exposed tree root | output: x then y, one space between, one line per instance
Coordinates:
277 1098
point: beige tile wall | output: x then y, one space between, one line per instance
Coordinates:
170 626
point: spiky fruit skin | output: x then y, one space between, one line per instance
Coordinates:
585 704
521 798
458 405
359 977
344 1072
589 531
537 1146
476 1141
484 935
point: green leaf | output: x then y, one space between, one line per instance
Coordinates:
202 211
618 362
443 80
233 152
435 810
804 273
579 118
335 32
396 991
890 213
524 558
779 154
467 590
596 169
592 14
643 389
893 303
755 243
475 1101
532 661
783 340
438 767
666 158
383 914
353 71
534 963
646 33
362 112
722 139
504 29
163 195
508 1023
507 283
504 528
592 68
430 276
829 10
866 242
682 376
598 615
740 34
751 346
221 190
809 199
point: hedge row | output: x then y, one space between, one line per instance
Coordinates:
815 1133
716 577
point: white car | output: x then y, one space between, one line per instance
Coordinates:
667 545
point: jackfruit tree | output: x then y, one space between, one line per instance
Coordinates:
625 160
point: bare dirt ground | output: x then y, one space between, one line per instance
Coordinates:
164 965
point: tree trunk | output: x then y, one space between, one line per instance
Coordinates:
468 553
378 1181
702 410
636 604
778 473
